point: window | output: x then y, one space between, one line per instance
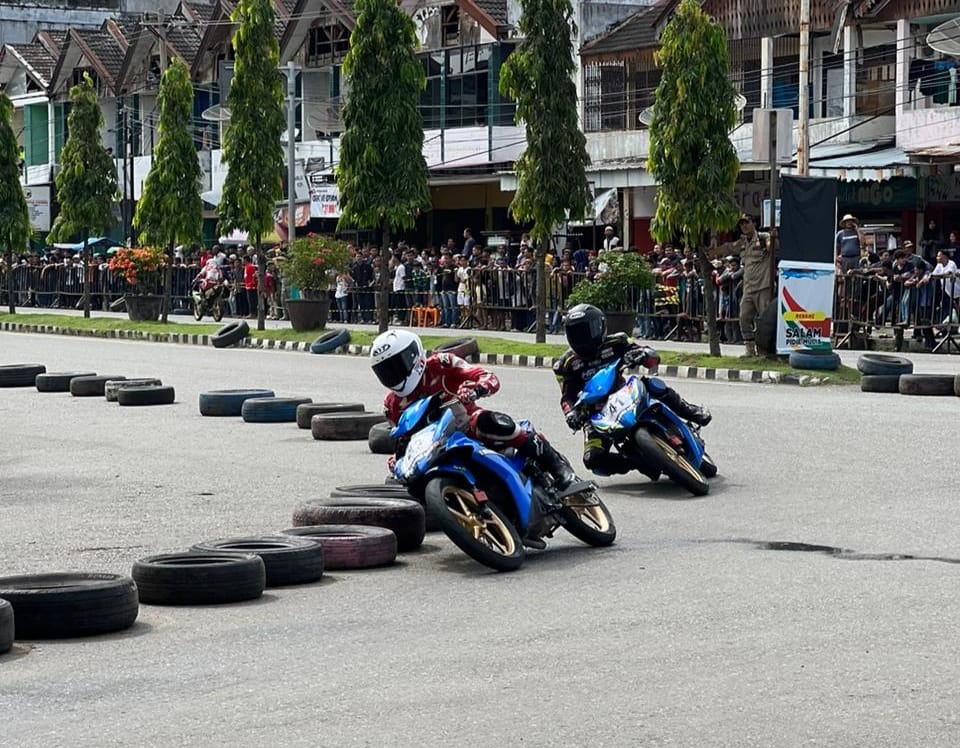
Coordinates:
604 98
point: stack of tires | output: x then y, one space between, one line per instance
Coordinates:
826 360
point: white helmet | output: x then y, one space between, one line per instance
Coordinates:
398 359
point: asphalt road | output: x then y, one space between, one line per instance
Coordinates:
686 632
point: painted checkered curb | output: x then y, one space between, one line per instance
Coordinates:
495 359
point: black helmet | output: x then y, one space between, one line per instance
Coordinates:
585 328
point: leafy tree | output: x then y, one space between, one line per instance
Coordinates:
87 182
382 175
691 155
251 145
551 173
170 210
14 216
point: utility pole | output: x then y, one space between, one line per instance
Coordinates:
803 142
291 73
773 187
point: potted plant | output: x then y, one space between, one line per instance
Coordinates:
311 266
141 269
614 290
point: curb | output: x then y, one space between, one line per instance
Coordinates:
498 359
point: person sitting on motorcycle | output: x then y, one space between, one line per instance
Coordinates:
400 363
590 350
210 277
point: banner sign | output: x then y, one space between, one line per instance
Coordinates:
805 304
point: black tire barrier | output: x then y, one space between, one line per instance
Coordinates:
462 347
151 394
228 402
59 381
880 383
92 386
20 375
956 385
287 560
828 361
6 626
404 517
385 491
55 606
307 411
344 426
199 578
379 439
350 546
330 341
927 384
111 388
271 409
230 334
882 363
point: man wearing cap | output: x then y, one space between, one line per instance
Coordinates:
610 240
848 243
754 249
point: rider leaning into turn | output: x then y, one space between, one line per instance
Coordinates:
209 277
402 366
591 349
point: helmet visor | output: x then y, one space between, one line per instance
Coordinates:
393 372
585 335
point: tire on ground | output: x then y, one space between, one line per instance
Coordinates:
344 426
385 491
880 383
59 381
287 560
828 361
956 385
199 578
766 339
92 386
6 626
272 409
111 388
350 546
306 411
330 341
462 347
228 402
20 375
54 606
379 439
151 394
927 384
884 364
230 334
404 516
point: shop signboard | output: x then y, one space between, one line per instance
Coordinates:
805 306
899 193
38 203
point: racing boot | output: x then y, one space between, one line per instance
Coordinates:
687 411
610 463
538 449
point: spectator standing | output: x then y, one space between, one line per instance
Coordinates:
468 244
610 239
342 296
729 284
946 304
361 270
848 244
447 276
250 286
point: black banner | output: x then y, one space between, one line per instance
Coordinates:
808 209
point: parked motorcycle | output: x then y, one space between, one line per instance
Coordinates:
211 304
646 429
490 504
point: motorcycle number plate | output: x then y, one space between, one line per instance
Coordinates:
620 403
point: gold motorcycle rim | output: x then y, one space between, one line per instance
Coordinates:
490 531
678 459
589 511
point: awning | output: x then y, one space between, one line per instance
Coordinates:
237 237
874 165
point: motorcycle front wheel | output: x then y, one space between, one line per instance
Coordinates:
708 467
587 518
217 310
197 310
479 529
672 462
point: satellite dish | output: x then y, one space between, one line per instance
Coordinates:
740 101
216 113
296 134
945 38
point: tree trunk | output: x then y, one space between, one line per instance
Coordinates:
261 280
383 313
709 301
86 274
167 290
8 278
541 300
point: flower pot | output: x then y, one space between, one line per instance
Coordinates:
308 314
143 308
621 322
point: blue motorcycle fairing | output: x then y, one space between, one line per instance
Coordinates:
410 417
694 444
627 418
599 385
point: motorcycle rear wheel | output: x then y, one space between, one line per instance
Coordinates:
489 538
587 518
673 463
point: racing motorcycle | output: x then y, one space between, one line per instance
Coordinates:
646 429
211 304
490 504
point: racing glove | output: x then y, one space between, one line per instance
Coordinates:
468 392
574 421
